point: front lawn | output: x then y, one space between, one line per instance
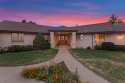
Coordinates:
108 64
27 58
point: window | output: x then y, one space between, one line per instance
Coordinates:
46 38
17 37
99 37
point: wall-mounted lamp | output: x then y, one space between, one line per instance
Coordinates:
120 36
81 36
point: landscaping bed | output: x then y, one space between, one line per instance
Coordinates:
27 57
108 64
50 74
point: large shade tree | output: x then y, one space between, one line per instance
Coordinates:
115 19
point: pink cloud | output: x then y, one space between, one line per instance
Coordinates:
53 19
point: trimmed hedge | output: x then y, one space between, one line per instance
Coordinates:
109 46
18 48
120 47
47 45
2 50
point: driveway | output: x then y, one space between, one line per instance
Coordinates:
11 74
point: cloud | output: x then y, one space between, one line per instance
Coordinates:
53 19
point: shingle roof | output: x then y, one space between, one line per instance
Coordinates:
11 26
95 28
23 27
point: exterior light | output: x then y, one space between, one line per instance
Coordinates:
120 36
81 36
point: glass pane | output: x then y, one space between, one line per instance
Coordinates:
96 37
66 38
101 37
21 37
46 37
62 37
59 37
14 37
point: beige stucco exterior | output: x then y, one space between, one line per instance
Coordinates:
85 42
117 38
5 40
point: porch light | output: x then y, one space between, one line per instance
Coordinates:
120 36
81 36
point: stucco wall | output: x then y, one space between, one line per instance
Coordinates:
85 42
116 38
5 40
109 37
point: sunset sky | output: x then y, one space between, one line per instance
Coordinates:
61 12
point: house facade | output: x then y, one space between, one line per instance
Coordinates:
15 33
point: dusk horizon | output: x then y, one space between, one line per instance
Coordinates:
61 13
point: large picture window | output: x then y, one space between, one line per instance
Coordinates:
17 37
99 37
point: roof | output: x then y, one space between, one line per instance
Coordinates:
10 26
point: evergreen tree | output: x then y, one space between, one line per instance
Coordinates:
114 19
39 42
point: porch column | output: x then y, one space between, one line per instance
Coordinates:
73 39
52 39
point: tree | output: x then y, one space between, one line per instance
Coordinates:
24 21
39 42
32 22
114 19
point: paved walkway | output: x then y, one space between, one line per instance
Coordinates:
11 74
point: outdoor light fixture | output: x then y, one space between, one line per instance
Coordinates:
120 36
81 36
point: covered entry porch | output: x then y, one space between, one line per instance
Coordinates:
60 38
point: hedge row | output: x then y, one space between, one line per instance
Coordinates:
16 48
109 46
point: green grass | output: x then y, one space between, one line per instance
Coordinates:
26 58
108 64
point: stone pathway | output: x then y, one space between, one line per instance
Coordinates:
11 74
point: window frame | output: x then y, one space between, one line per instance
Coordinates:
99 36
18 38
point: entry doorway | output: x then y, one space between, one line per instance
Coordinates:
63 39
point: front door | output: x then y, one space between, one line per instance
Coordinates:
63 40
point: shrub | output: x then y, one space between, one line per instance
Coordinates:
47 45
120 47
18 48
88 47
2 50
14 48
97 47
109 46
39 42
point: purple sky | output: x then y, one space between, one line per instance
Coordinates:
61 12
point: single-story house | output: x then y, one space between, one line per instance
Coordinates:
16 33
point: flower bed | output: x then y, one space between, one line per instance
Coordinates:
51 74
